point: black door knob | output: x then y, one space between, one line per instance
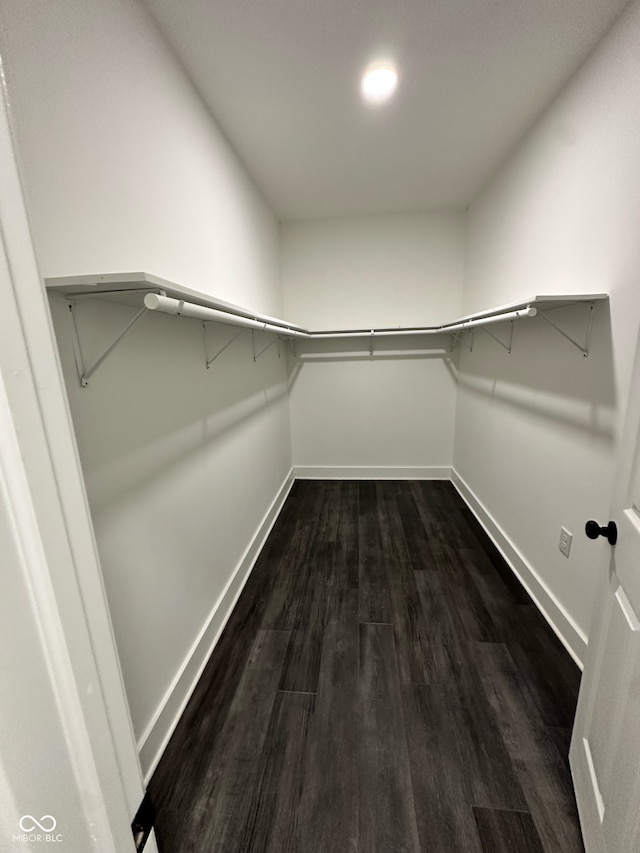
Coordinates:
593 530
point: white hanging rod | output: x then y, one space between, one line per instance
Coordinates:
373 333
529 311
156 302
169 305
428 330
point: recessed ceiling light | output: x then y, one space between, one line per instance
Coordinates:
379 82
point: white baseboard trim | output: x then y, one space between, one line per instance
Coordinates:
568 632
322 472
156 736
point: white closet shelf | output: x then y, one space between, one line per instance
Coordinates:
134 283
128 284
542 303
168 297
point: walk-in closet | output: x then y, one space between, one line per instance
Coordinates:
319 417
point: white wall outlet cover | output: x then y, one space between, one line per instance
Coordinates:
565 541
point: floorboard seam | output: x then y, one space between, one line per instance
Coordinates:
500 809
299 692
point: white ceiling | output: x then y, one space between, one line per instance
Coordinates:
282 79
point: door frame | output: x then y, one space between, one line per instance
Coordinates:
48 494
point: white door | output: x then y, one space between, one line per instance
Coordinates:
605 748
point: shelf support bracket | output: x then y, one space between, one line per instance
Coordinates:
256 355
497 339
84 374
209 361
371 342
587 340
458 338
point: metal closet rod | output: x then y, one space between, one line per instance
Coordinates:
169 305
460 326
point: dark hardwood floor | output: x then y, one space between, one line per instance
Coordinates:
384 685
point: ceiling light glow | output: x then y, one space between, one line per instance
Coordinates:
379 83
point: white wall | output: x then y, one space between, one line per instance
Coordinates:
53 562
375 412
124 169
537 431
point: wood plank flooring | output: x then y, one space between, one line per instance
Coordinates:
384 685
